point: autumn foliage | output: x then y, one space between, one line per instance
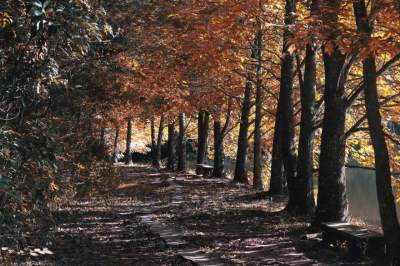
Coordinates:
74 72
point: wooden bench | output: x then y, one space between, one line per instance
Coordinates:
359 241
205 170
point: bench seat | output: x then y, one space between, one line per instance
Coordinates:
360 241
205 170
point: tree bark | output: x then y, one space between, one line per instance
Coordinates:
241 155
332 200
219 136
302 200
398 6
387 206
285 104
171 147
128 155
115 148
182 164
258 161
202 138
103 137
200 124
277 181
159 142
153 142
243 142
218 170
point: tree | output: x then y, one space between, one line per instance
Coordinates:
332 200
159 141
302 196
258 160
387 206
128 154
153 142
242 151
278 178
285 105
219 136
182 163
203 121
171 147
115 149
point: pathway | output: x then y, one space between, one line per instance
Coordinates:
174 237
173 219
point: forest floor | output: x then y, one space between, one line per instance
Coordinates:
216 217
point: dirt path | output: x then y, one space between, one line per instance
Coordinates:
108 231
216 218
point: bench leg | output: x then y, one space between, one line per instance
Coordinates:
331 240
327 238
376 248
207 173
357 249
199 171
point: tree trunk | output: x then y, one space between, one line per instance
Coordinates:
200 124
115 148
332 200
171 147
218 150
241 155
302 200
286 101
153 143
182 164
258 161
103 137
302 196
398 6
243 142
387 205
277 181
202 138
128 155
159 141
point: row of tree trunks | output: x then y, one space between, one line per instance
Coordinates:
298 171
387 206
332 202
203 121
